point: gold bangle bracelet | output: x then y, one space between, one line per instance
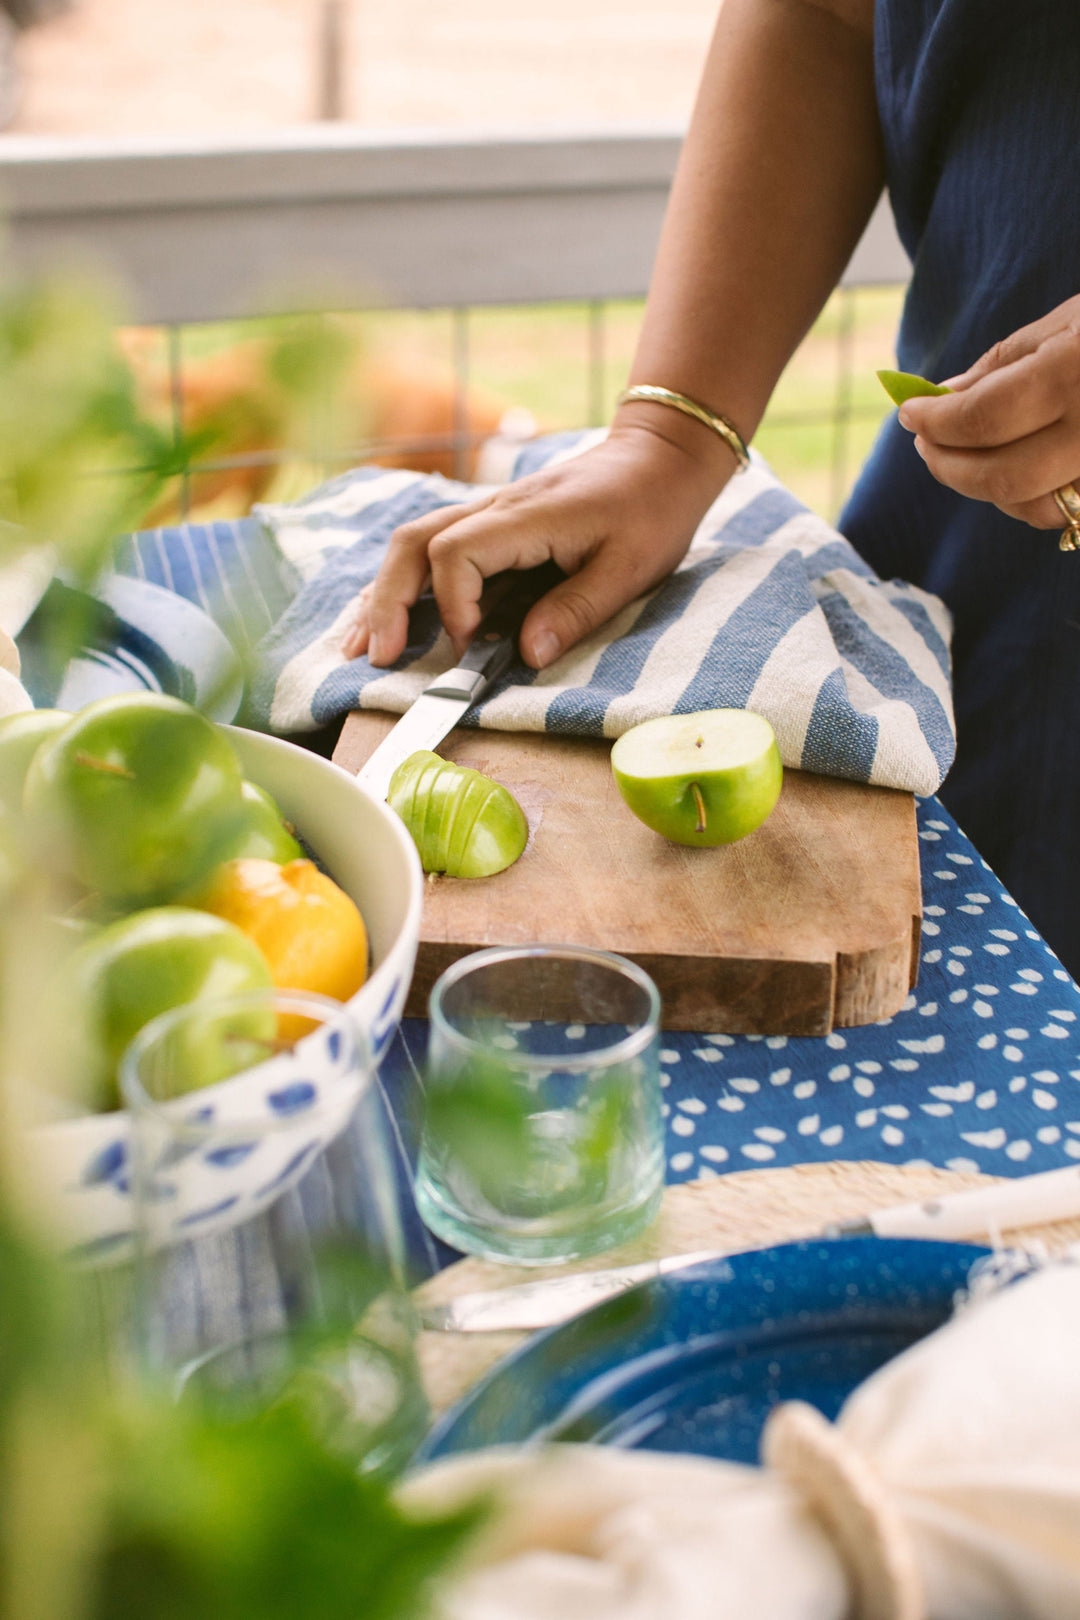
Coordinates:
653 395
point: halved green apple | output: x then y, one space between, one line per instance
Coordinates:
903 385
462 822
702 779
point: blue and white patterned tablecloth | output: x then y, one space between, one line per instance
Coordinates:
980 1070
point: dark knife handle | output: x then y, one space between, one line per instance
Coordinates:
494 646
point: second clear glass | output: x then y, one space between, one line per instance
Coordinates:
269 1255
543 1137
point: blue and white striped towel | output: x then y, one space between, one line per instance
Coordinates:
772 610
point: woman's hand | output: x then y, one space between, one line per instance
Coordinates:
1010 433
616 519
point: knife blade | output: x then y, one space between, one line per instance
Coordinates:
489 655
973 1212
548 1300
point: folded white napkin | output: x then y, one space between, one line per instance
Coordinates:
949 1488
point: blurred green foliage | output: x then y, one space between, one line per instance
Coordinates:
81 460
495 1129
118 1501
256 1520
69 422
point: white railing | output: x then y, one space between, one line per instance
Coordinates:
201 231
204 231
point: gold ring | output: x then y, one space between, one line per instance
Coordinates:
1068 504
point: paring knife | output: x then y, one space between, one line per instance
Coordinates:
977 1212
489 654
550 1299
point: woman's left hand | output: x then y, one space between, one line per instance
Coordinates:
1010 431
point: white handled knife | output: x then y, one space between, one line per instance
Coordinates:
489 654
550 1299
976 1212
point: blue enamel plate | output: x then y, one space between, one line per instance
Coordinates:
694 1361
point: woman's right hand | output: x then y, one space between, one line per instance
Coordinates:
616 519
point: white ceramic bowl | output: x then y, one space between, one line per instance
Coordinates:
365 848
84 1169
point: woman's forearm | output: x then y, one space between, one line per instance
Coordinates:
778 176
779 173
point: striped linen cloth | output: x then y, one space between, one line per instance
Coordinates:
772 610
232 569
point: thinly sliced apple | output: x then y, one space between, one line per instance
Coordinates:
704 779
902 385
462 822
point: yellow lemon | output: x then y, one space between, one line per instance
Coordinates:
310 932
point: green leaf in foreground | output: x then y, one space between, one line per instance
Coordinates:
903 385
258 1520
496 1130
77 459
120 1502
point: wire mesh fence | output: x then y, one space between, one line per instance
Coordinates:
431 388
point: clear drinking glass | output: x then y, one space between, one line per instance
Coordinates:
543 1136
269 1253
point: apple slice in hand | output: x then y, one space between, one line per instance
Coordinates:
904 385
707 778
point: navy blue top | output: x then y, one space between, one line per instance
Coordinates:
980 112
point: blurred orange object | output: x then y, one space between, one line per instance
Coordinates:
310 932
385 404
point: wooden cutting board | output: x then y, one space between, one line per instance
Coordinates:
812 921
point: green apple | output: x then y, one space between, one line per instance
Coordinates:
707 778
263 833
136 797
11 858
148 964
21 735
462 822
902 385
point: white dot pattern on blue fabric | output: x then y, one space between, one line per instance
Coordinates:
979 1071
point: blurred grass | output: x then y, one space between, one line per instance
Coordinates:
819 427
538 358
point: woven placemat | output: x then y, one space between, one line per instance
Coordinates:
749 1209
